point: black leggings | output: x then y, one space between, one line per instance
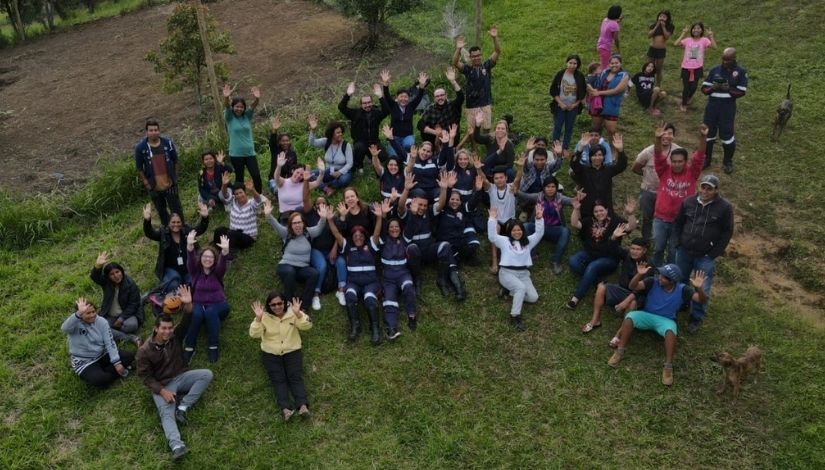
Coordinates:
237 239
251 163
286 373
101 372
688 86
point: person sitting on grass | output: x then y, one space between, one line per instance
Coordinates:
514 270
596 179
92 351
121 306
664 296
537 169
291 190
502 197
279 330
206 269
619 295
648 93
601 237
170 267
402 110
442 113
161 365
500 149
210 179
243 214
389 177
337 156
279 143
552 203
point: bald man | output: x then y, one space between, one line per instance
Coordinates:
725 83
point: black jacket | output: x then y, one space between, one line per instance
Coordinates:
555 89
597 184
704 229
128 296
164 239
401 121
365 126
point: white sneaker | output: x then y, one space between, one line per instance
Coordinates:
341 298
316 303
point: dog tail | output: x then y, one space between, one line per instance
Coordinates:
788 94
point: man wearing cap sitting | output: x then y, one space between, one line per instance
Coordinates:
664 296
160 364
704 227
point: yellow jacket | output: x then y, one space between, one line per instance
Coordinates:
279 335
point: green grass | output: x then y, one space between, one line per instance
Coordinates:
464 390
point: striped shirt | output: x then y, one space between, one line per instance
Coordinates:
243 218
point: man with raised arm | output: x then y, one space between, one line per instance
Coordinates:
478 76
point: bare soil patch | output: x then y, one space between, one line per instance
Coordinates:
79 97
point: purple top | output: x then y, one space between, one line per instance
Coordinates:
206 288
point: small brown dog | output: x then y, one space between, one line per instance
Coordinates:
736 370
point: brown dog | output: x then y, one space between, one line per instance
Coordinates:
736 370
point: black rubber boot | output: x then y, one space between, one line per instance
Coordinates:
443 281
375 329
455 280
354 324
417 283
708 154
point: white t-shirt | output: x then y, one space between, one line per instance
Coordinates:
504 201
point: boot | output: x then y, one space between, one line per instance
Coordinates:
708 154
375 329
455 280
354 324
417 283
442 281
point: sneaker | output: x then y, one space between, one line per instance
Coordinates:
667 376
572 304
517 323
728 169
557 268
694 325
180 416
412 323
212 354
393 333
316 303
615 359
179 452
342 299
187 356
360 171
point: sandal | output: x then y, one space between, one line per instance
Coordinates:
590 327
614 343
287 413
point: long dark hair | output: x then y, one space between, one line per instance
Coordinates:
578 60
508 229
668 22
699 24
330 131
614 12
237 100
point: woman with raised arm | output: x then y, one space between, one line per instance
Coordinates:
596 179
209 308
337 155
324 254
238 119
121 306
93 354
170 267
693 59
279 329
500 149
279 143
515 263
402 110
362 277
659 32
210 179
601 235
294 265
291 189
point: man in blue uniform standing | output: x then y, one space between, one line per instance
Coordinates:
724 84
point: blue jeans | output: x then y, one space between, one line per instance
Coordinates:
318 260
591 270
341 182
172 279
291 275
688 263
406 142
558 234
664 238
212 315
566 119
647 203
489 166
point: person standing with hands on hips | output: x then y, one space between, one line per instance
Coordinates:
238 119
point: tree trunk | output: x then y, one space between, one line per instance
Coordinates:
48 14
17 22
478 23
207 54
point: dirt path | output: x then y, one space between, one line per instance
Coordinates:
83 94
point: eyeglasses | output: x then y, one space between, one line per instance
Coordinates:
440 96
275 304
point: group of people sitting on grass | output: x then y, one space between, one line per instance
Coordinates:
433 193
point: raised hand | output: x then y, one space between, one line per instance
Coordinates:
377 90
522 160
281 159
460 42
659 131
413 151
493 31
324 211
643 268
530 145
703 130
409 181
697 279
385 77
576 202
256 92
147 211
620 231
249 185
479 183
190 237
83 305
477 163
227 90
493 212
393 194
374 150
102 259
312 121
226 178
258 310
453 131
351 88
445 137
630 206
224 245
275 122
442 180
376 210
422 79
558 149
452 178
685 30
387 131
203 210
220 157
321 165
342 209
267 207
385 205
296 306
618 142
450 74
185 294
708 32
539 211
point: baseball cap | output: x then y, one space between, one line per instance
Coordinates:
709 180
671 271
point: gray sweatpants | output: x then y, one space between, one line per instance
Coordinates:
130 325
518 282
191 385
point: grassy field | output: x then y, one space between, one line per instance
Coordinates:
465 390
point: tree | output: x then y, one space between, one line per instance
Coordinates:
181 59
374 13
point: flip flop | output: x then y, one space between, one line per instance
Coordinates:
614 343
590 327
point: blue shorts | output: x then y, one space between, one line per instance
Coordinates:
649 321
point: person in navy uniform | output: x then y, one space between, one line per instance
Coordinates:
724 84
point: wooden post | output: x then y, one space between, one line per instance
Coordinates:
210 63
478 23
